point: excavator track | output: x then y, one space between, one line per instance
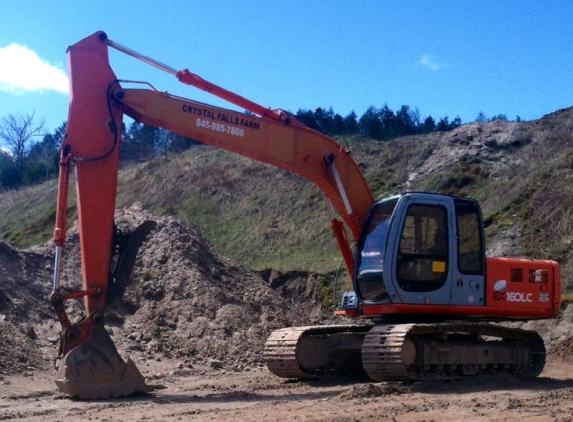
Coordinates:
404 352
382 356
315 351
448 350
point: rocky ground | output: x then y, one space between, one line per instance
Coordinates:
196 323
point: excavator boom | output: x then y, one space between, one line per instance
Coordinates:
90 365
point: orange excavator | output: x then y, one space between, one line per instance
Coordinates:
419 269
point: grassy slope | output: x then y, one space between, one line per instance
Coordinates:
263 217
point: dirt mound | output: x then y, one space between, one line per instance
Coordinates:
175 298
184 300
25 278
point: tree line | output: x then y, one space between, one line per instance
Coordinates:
376 123
29 155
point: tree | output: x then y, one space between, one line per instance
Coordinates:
481 117
42 160
406 121
337 125
388 121
443 125
501 117
306 117
16 132
457 122
170 142
140 142
351 124
429 125
370 124
8 178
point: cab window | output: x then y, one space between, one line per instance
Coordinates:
470 238
370 255
423 255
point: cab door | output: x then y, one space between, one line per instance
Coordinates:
437 251
468 286
423 250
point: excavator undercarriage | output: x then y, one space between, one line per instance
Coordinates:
405 352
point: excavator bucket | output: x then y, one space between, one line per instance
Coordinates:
95 370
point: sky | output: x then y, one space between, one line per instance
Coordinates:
447 58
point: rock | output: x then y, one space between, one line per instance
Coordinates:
136 336
32 333
53 340
215 364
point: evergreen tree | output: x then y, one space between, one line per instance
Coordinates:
350 124
481 117
443 125
429 125
370 124
139 142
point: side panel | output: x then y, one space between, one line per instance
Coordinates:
523 284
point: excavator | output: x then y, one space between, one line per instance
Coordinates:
426 300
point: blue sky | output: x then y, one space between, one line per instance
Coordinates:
448 58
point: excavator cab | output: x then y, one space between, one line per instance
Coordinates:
422 248
424 253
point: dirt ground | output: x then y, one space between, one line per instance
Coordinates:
205 394
196 324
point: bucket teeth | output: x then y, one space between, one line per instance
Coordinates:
95 370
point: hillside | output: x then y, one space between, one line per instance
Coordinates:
263 218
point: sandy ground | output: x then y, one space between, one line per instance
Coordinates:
205 394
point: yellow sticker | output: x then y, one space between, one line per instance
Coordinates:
438 266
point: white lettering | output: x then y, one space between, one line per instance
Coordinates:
519 297
218 127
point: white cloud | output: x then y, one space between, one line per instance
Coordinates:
428 61
22 70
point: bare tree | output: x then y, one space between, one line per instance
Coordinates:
16 132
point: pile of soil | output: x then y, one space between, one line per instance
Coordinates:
184 300
24 308
176 298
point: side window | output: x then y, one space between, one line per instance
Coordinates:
470 238
422 264
370 254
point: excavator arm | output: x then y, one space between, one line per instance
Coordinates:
90 366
